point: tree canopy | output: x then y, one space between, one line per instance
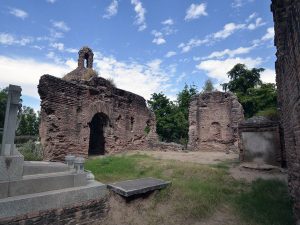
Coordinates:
28 119
172 117
255 96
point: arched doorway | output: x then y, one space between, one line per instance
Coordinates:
97 137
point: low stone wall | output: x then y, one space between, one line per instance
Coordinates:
91 212
164 146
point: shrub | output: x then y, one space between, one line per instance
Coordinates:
32 151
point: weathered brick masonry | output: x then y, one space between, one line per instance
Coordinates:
88 213
91 116
213 122
287 40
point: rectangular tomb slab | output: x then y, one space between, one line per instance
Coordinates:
139 186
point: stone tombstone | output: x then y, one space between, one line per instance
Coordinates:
260 141
213 122
11 161
10 123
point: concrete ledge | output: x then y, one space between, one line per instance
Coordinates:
40 167
23 204
41 182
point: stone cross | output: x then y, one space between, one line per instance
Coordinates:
10 123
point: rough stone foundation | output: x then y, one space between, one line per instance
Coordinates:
213 122
92 212
286 15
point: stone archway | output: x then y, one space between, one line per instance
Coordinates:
97 134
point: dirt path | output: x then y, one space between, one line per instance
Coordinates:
195 157
237 172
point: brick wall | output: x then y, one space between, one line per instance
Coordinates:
286 15
213 122
91 212
67 108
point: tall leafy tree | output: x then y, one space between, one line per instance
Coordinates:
241 79
29 122
172 118
255 96
3 100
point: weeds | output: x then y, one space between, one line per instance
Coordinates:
197 191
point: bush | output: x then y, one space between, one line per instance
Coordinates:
32 151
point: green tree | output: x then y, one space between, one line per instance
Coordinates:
163 109
29 122
241 79
3 100
208 86
255 96
172 118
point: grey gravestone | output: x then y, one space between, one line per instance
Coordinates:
138 186
11 161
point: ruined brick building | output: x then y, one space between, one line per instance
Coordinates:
84 114
213 122
287 40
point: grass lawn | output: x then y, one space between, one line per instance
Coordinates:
199 192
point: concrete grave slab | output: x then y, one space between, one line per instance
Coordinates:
139 186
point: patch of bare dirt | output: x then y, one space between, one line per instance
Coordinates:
195 157
252 171
144 211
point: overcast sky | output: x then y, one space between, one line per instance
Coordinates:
146 46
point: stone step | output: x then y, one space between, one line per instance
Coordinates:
39 167
42 182
30 203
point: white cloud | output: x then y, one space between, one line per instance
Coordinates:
158 38
51 1
170 54
9 39
111 10
18 13
181 77
268 76
61 47
71 50
258 23
228 30
218 69
140 14
269 35
186 47
148 78
60 25
168 22
251 17
240 3
230 53
237 3
58 46
32 70
195 11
